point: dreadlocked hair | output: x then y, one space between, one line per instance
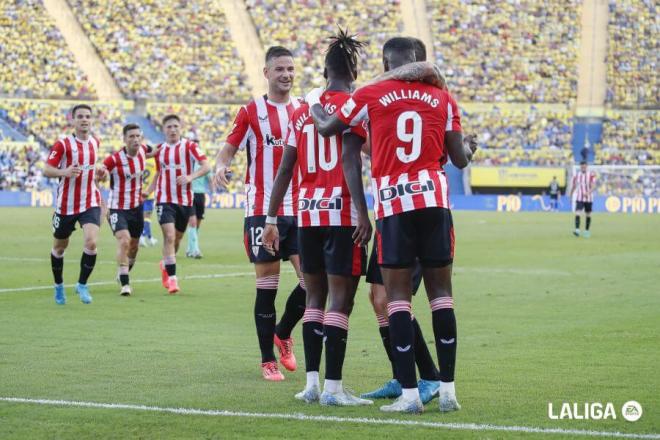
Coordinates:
343 53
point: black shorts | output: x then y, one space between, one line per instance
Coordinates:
425 234
554 196
130 219
173 213
586 206
199 203
330 249
374 276
64 225
253 230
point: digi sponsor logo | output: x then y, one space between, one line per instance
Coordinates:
402 189
320 204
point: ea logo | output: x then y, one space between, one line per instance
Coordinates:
613 204
631 411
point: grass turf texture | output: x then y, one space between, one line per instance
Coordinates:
543 317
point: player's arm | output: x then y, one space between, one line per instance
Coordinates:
460 149
420 71
352 166
51 166
280 186
106 166
327 125
223 162
204 168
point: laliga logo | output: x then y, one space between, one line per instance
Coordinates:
319 204
631 411
402 189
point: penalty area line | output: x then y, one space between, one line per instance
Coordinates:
336 419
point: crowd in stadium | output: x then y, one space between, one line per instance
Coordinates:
39 66
373 20
166 50
633 53
523 51
630 138
20 169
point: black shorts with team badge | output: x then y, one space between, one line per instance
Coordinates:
64 225
253 230
374 276
127 219
174 213
330 249
199 204
425 234
586 206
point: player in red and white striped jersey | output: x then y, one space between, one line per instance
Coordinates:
126 217
582 186
331 262
174 197
413 128
73 160
259 128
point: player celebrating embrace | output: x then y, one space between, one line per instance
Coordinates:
331 262
260 126
126 216
174 197
413 127
73 160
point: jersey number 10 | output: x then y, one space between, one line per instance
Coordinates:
326 165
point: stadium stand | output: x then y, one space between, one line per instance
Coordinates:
314 21
20 167
520 135
38 63
165 50
523 51
632 68
630 138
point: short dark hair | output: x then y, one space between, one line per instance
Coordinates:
277 51
583 162
79 107
420 49
399 44
129 127
170 117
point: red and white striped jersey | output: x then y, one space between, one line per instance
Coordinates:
408 122
260 127
323 198
126 178
584 184
76 194
173 161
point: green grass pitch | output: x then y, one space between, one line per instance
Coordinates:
542 317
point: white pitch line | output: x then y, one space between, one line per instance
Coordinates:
140 262
356 420
147 280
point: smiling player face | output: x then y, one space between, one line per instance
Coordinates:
279 72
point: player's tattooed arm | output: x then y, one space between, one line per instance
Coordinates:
222 164
327 125
280 185
460 149
352 166
420 71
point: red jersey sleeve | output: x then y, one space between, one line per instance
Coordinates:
355 109
196 152
453 115
109 162
291 134
239 133
56 153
